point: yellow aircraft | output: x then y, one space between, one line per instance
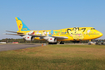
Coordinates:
74 34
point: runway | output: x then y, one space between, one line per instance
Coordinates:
6 47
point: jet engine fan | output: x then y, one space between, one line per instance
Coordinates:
52 40
28 38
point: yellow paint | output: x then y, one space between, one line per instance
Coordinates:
76 33
19 24
88 34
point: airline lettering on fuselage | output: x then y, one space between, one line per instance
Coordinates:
63 33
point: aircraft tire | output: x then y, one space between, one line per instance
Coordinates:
52 43
61 42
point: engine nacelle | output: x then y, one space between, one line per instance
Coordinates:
51 40
28 38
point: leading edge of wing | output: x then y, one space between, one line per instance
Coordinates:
60 37
57 37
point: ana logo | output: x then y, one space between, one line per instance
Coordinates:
24 28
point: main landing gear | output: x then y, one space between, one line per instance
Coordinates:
52 43
75 41
61 42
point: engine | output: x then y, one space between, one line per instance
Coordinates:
28 38
51 39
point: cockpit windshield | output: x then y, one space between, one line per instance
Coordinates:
92 28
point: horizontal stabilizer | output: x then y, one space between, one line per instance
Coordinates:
15 34
11 31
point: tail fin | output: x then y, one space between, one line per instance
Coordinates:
21 26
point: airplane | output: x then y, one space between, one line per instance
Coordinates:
74 34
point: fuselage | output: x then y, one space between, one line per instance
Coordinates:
73 34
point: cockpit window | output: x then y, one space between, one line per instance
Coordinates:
92 28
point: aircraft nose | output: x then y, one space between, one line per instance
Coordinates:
100 34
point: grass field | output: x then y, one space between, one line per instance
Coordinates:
55 57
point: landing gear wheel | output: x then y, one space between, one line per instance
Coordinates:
61 42
52 43
75 41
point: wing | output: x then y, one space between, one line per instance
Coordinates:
60 37
22 34
57 37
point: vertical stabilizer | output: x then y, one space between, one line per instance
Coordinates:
21 26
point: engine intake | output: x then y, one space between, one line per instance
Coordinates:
28 38
52 40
